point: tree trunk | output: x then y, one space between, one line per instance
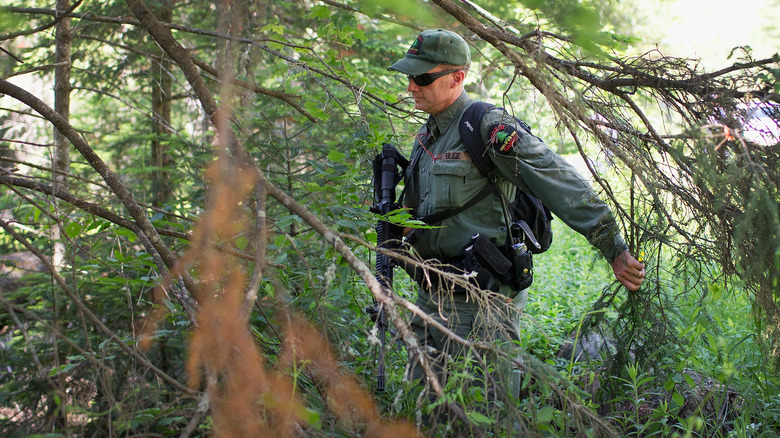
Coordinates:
61 159
162 187
60 170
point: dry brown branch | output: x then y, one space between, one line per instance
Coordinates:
241 164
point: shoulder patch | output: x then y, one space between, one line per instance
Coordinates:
503 137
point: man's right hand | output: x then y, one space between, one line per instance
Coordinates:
629 271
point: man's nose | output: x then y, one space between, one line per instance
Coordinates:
412 86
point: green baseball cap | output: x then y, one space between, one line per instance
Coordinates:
431 48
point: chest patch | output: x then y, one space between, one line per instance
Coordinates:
503 138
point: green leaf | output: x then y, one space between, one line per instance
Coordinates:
280 241
713 344
286 221
314 109
545 414
403 217
73 229
310 416
169 304
678 398
275 28
170 420
337 156
319 11
124 232
241 242
104 344
478 418
669 384
269 290
476 394
62 369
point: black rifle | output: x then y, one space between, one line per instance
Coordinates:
388 168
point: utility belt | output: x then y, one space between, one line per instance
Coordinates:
483 264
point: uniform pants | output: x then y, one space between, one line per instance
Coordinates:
492 320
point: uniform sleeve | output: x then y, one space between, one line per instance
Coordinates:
528 162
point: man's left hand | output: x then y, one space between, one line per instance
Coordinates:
629 271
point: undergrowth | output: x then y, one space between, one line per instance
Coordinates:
713 380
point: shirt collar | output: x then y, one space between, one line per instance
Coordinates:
445 119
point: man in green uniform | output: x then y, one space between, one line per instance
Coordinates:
441 176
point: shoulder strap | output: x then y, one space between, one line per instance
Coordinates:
471 137
439 216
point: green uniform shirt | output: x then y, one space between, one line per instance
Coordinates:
442 176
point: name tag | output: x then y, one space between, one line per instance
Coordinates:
453 155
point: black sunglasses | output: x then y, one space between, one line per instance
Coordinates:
428 78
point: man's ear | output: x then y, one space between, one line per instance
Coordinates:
458 78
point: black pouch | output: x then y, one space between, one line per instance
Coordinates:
516 270
490 257
522 267
481 276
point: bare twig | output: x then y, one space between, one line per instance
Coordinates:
113 181
94 319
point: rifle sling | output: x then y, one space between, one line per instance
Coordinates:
439 216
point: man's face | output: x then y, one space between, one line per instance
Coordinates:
436 97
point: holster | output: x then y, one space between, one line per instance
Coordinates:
490 258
